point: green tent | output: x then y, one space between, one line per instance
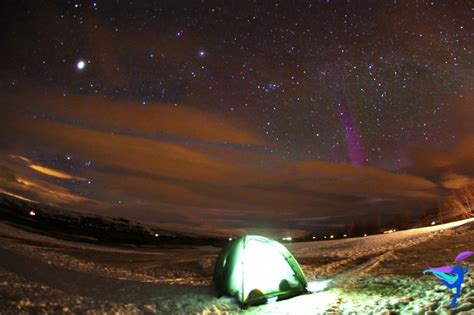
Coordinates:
254 269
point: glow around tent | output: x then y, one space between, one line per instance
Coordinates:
255 269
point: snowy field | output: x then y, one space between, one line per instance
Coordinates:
380 274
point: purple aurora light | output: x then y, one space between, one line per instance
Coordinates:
354 147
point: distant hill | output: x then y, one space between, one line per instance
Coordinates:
77 226
72 225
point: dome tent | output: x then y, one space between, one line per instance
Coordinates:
254 269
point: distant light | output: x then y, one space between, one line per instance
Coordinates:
433 223
202 53
325 236
365 234
230 239
288 238
314 237
32 213
81 65
156 234
389 231
332 236
345 235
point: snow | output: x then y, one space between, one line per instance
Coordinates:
378 274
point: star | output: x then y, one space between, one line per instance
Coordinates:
81 65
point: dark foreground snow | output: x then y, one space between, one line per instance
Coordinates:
380 274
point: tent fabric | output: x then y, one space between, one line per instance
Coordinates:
254 269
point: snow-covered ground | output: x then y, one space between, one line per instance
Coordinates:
379 274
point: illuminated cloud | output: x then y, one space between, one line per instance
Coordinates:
45 170
14 182
441 165
3 191
155 120
46 192
196 186
54 173
178 185
20 158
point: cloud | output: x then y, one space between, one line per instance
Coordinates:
3 191
127 117
187 185
450 168
15 180
53 173
454 181
45 170
53 194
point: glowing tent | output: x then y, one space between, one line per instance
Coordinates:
254 269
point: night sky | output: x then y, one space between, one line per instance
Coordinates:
234 116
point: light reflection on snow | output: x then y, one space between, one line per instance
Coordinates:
315 303
316 286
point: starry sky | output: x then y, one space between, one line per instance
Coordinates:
237 116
